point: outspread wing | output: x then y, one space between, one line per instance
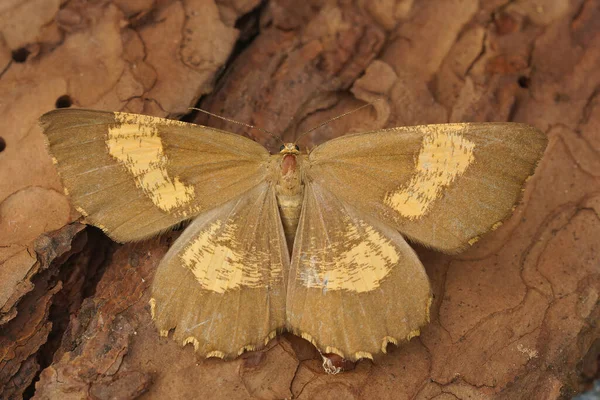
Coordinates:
135 176
222 284
355 285
440 185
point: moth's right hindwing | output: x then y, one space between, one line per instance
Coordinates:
222 285
355 284
135 176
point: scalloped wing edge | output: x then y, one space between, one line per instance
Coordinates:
215 353
364 354
304 335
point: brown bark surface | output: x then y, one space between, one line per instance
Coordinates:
515 317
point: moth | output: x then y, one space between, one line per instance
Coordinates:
314 244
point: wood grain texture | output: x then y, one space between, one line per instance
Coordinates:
511 318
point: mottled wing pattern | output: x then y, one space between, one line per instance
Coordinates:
222 284
135 176
355 285
440 185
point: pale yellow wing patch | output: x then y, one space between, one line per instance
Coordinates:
220 262
135 142
222 285
355 284
442 159
358 262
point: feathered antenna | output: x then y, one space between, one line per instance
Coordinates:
334 118
237 122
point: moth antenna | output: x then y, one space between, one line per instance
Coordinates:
337 117
237 122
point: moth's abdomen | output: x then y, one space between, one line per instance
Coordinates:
289 209
289 196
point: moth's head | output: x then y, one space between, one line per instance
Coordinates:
289 148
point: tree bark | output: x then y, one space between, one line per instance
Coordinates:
514 317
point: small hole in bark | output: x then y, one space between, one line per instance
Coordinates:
524 82
2 144
20 55
64 101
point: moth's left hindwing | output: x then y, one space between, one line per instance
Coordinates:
135 176
222 284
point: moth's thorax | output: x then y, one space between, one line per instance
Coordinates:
288 164
290 190
290 178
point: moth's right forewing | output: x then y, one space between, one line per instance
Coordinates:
135 176
222 285
440 185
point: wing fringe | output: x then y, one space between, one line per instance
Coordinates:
361 354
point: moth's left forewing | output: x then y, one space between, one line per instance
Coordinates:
441 185
135 175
